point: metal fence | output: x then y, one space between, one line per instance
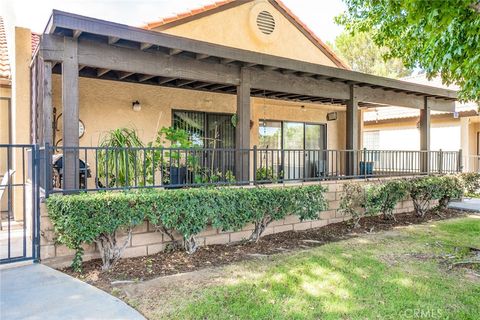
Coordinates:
104 168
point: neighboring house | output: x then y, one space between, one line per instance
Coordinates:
15 91
396 128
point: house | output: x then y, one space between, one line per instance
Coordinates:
450 131
283 87
263 97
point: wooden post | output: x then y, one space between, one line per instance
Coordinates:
70 114
242 132
352 133
47 103
425 137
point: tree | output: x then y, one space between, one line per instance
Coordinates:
363 55
441 37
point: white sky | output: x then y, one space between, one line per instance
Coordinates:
34 14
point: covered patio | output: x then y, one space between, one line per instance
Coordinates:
77 46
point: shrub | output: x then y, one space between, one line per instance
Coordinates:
423 191
98 217
471 181
89 218
384 197
451 187
353 201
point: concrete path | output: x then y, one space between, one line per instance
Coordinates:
38 292
466 205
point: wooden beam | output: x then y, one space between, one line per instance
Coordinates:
166 80
226 61
425 121
70 114
200 56
76 34
113 40
174 52
145 77
201 85
184 82
145 46
122 75
289 83
219 87
102 71
95 26
352 132
242 129
98 55
47 103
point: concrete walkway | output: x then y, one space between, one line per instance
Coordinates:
472 205
38 292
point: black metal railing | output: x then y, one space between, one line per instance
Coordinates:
106 168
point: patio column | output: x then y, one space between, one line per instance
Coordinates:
242 129
70 114
352 133
47 103
425 136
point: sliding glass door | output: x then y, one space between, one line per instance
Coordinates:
302 148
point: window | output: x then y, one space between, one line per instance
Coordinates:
371 140
208 130
270 135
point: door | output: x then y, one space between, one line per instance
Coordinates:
293 145
315 156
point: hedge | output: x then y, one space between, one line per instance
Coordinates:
100 217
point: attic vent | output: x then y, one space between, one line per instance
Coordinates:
265 22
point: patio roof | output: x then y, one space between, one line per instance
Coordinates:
113 51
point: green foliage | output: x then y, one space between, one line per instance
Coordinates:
451 187
471 181
265 174
384 197
84 218
423 191
440 37
117 159
363 55
353 201
87 218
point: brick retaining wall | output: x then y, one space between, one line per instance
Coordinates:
147 241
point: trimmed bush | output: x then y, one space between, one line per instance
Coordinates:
98 218
451 187
353 201
423 191
471 181
384 197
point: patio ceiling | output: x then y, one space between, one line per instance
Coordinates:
113 51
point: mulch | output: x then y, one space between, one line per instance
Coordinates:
168 263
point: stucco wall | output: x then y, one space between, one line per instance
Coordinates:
236 27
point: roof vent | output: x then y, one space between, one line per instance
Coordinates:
265 22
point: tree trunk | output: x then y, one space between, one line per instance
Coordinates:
190 245
260 227
109 250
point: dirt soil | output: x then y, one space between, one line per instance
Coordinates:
168 263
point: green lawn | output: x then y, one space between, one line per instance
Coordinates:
399 274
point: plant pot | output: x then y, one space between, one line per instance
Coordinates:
178 177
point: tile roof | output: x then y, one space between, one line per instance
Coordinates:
5 73
314 38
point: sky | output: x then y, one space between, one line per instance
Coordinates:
34 14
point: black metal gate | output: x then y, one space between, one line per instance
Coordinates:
19 203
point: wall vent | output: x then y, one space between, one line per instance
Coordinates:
265 22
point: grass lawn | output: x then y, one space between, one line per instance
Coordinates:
400 274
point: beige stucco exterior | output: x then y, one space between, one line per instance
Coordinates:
241 32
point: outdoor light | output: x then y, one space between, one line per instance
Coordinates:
136 106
